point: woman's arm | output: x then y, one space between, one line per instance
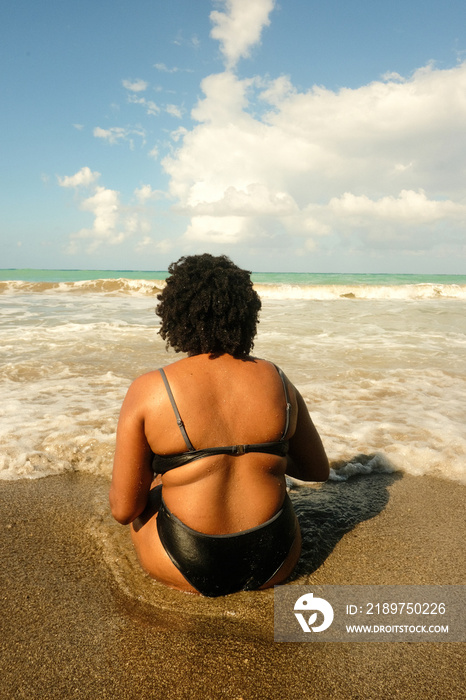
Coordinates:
307 459
132 474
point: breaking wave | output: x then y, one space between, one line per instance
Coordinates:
318 292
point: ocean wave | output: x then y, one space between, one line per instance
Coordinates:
98 286
361 291
277 291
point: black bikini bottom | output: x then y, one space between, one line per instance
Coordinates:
222 564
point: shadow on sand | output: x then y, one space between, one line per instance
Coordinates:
327 512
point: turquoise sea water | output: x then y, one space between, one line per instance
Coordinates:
298 278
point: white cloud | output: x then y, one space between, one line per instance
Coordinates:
154 153
278 90
179 133
409 221
113 223
118 134
145 193
148 245
254 199
105 206
239 27
83 178
174 111
409 208
212 229
376 164
135 85
164 69
192 42
226 100
150 106
112 135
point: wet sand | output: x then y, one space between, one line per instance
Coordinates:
70 628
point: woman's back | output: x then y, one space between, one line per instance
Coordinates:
222 401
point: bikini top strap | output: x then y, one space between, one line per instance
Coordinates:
287 399
188 442
179 420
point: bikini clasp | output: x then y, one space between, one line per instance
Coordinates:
239 450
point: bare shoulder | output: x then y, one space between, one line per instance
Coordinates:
267 365
143 388
289 385
146 380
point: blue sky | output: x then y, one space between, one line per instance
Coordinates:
292 136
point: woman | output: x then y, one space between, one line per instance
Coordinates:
204 445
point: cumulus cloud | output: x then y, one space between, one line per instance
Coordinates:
213 229
179 133
254 200
371 168
135 85
112 223
146 193
239 27
409 207
409 221
375 163
112 135
104 205
149 245
83 178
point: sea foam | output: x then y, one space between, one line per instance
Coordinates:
380 376
144 287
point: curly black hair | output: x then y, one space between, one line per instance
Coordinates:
208 306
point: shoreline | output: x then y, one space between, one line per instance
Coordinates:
71 628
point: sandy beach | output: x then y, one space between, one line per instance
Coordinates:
75 625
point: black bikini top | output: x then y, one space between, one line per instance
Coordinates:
163 463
